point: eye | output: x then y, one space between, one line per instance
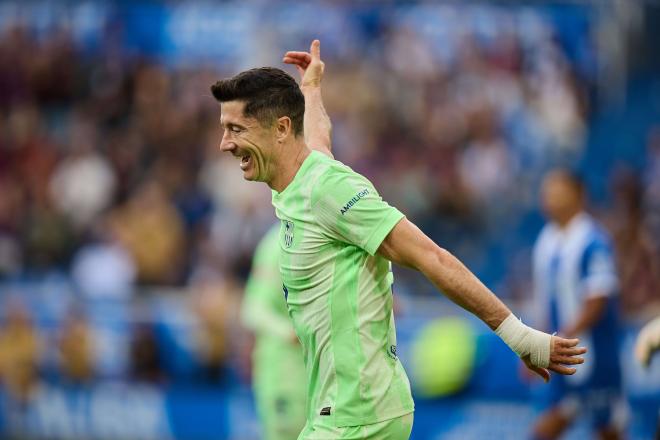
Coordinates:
235 129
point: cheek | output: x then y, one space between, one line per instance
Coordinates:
258 147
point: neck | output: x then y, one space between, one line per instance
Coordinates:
288 165
563 223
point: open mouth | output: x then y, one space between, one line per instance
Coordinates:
245 161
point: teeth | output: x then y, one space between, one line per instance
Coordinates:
245 162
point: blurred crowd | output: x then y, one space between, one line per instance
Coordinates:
111 177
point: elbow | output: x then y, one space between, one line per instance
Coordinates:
435 262
441 264
442 256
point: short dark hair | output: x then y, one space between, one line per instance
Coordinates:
268 92
574 179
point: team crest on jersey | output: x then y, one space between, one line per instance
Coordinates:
392 352
288 233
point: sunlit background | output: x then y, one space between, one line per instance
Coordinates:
126 237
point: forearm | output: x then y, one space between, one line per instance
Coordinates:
410 247
317 125
460 285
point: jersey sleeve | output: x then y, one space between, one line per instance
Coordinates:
348 209
598 269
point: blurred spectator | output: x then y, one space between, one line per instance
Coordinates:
20 350
10 246
216 306
103 268
150 228
83 182
145 361
486 164
637 253
651 197
77 350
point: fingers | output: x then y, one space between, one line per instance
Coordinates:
305 56
295 62
315 49
566 360
561 342
304 59
545 375
572 351
561 369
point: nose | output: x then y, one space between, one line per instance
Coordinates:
226 145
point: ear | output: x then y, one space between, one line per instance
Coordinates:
284 127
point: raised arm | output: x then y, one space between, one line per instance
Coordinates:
317 125
410 247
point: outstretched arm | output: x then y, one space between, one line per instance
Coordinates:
410 247
317 124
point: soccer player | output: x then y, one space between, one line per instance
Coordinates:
576 286
278 371
336 237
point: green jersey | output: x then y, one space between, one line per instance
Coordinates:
338 293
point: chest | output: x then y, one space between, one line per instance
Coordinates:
561 267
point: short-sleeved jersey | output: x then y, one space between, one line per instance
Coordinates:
339 293
570 266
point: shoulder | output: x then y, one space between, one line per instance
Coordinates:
339 180
597 252
596 237
546 238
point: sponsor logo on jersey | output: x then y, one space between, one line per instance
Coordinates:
356 198
288 233
325 411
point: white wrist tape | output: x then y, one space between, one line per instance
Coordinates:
524 340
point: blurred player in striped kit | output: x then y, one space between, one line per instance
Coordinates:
576 287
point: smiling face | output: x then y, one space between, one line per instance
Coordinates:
248 140
262 112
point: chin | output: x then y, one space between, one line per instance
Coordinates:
251 176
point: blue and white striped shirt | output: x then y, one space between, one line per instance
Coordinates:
572 265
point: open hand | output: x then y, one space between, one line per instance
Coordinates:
308 64
563 352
